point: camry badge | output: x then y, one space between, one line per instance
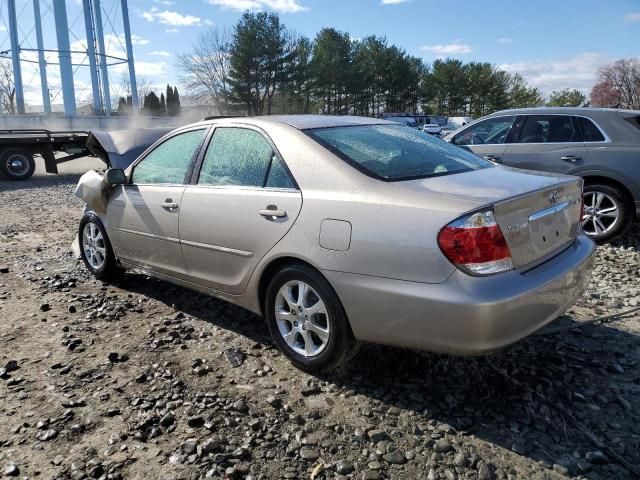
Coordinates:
553 197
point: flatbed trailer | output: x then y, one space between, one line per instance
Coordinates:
19 147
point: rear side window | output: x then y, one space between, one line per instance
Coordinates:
169 161
395 152
278 176
633 120
590 133
491 131
548 129
236 156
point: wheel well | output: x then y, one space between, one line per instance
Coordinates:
628 197
274 267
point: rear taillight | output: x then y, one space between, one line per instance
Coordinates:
475 244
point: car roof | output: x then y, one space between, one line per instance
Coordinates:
303 122
560 110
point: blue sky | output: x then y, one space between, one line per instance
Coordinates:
554 44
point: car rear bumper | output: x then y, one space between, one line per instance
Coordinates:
465 315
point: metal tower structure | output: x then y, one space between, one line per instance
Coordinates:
92 52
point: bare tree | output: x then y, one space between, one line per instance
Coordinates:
7 87
604 95
205 69
623 78
143 86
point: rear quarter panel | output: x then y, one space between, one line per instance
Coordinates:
620 163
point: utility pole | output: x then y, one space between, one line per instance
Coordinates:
64 53
91 53
15 55
46 102
127 39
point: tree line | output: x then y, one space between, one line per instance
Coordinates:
261 67
618 86
153 105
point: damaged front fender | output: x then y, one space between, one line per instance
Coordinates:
93 189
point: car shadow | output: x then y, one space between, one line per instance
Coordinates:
591 372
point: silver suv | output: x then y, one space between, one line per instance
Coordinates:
601 145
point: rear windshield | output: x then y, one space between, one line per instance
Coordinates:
396 152
634 120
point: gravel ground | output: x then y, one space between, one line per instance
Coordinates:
138 380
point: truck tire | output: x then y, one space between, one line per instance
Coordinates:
17 163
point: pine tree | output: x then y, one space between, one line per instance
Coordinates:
163 106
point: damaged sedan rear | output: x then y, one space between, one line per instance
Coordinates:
341 230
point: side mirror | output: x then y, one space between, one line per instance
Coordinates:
116 176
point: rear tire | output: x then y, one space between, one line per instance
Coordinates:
310 328
17 163
607 213
95 248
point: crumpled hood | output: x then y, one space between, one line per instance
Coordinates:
119 148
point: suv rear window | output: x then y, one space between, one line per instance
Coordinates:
633 120
396 152
590 133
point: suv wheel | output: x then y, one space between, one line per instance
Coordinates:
307 321
606 213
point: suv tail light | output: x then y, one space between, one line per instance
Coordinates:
475 244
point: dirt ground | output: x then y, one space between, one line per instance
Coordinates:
133 380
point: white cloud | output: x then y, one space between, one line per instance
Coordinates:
448 49
392 2
168 17
138 40
505 40
147 69
287 6
160 53
171 30
579 72
632 17
166 3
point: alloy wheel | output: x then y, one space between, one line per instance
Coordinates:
302 318
601 213
94 246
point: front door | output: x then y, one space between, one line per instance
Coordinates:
143 215
487 138
551 143
243 203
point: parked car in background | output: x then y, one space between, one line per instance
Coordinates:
408 121
454 123
432 128
600 145
342 230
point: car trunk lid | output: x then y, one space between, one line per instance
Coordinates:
538 212
538 224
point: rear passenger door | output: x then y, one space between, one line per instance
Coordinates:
242 202
551 143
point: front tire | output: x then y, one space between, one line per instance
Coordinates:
307 321
607 214
95 248
17 164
